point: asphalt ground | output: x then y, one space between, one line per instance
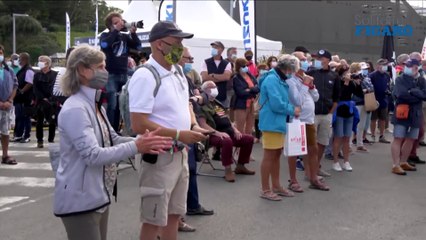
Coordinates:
368 203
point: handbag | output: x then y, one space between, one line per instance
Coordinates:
402 111
370 103
295 140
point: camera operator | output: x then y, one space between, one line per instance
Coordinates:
116 46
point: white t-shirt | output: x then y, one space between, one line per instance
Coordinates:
29 76
204 66
170 108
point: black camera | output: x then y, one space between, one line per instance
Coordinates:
128 25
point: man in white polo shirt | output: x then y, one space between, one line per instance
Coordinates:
164 177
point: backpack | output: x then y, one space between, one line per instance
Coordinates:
123 100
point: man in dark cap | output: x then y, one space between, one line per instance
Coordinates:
327 83
218 70
164 176
301 49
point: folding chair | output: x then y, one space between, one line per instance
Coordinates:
206 160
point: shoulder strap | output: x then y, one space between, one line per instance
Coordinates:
156 76
179 70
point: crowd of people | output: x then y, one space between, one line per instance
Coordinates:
232 104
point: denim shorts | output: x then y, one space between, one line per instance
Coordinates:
342 127
401 131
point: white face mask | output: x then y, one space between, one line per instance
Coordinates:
16 62
214 92
274 64
41 65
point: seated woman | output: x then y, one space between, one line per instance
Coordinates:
225 135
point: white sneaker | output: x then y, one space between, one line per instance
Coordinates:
336 167
347 167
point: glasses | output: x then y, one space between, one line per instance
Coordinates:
189 58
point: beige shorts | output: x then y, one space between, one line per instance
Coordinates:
164 187
4 122
323 126
273 140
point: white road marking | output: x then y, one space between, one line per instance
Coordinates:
12 199
28 166
36 154
28 181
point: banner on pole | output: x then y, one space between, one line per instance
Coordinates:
248 25
67 32
96 25
424 50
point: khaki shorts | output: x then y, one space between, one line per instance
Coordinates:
164 187
273 140
4 122
323 127
311 135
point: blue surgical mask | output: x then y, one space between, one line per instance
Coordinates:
187 68
364 72
288 75
263 71
384 68
214 52
317 64
408 71
244 69
304 65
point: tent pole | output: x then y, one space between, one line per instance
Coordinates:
255 33
231 9
174 11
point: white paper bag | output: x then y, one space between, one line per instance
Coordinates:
295 140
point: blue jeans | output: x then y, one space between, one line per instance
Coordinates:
22 121
342 127
192 197
113 87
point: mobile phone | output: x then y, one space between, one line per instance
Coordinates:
150 158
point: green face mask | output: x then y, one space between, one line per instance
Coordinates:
175 54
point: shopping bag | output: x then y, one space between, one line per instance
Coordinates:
370 102
295 140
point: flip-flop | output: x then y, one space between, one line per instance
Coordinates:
295 187
283 192
319 186
269 195
9 160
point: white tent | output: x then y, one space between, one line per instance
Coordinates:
207 20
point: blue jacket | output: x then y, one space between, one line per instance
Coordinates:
274 102
241 95
410 91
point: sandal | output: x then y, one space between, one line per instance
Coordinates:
283 192
295 187
9 160
269 195
318 185
184 227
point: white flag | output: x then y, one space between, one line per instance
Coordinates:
96 25
167 11
247 24
67 32
424 50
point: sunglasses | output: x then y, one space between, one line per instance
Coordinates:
189 58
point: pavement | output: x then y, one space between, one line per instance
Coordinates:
369 203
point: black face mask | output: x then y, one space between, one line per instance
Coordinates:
249 58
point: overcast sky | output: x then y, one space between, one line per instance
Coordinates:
123 3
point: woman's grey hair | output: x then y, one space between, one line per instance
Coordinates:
288 62
207 85
402 58
416 55
83 55
46 59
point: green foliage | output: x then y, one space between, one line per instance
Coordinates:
43 32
